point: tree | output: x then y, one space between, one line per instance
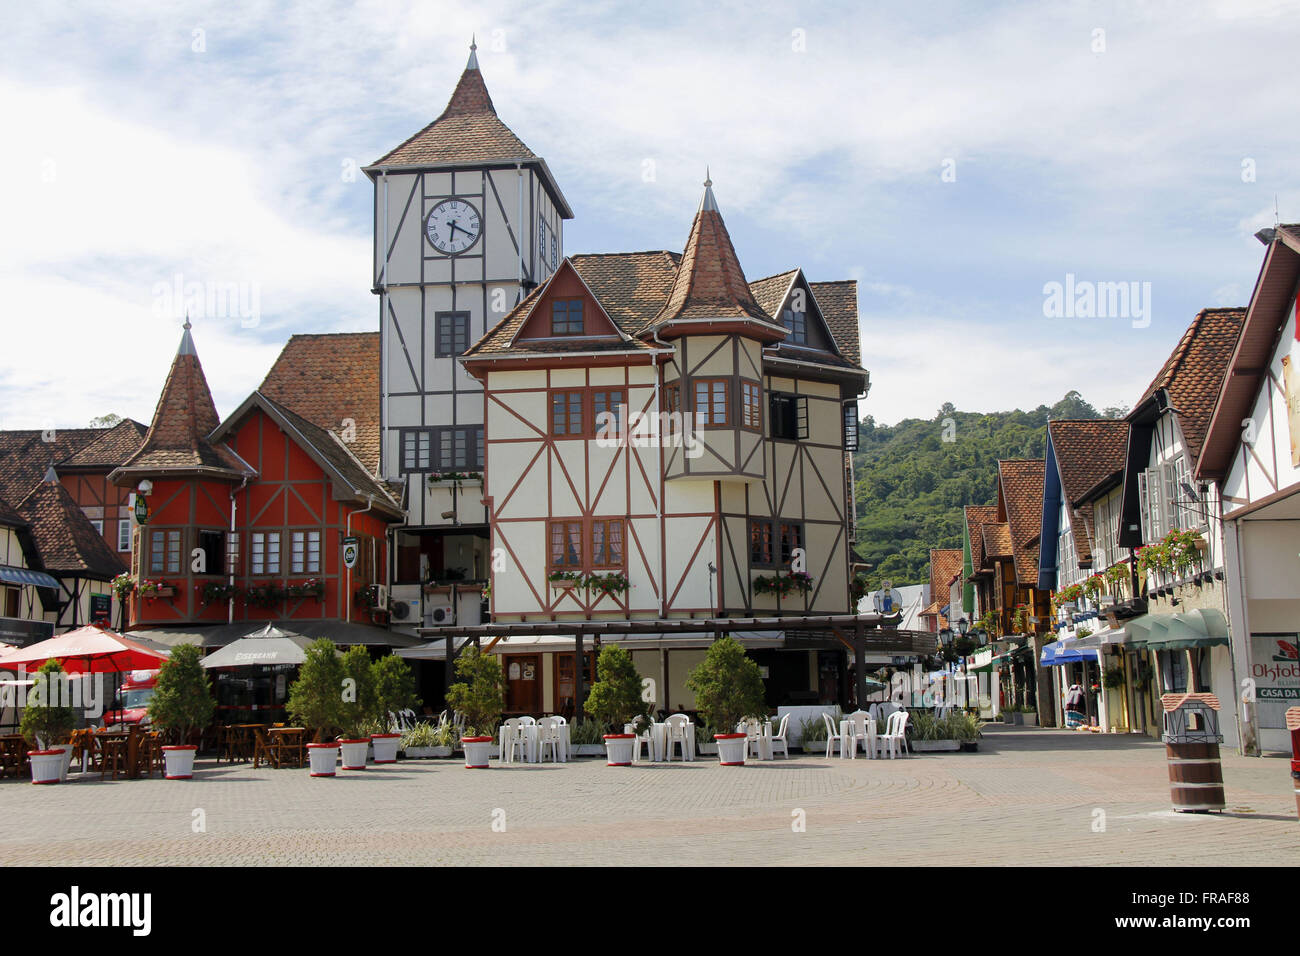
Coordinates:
105 421
358 693
316 697
480 697
615 698
182 697
394 685
728 686
45 723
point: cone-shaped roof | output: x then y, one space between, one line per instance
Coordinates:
185 416
710 283
467 131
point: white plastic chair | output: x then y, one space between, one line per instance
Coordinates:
512 740
678 727
833 736
647 738
778 738
548 735
894 739
864 729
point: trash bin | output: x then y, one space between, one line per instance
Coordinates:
1293 725
1192 739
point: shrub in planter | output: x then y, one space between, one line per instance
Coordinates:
615 701
728 689
181 703
45 725
315 698
394 690
480 697
358 710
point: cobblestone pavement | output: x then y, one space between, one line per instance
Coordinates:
1030 796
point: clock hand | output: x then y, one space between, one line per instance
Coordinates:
455 228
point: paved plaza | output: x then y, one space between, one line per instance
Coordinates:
1030 796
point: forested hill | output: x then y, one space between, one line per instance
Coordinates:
914 478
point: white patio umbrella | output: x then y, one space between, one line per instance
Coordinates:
270 645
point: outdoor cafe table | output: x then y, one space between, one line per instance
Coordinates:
532 749
846 733
13 750
764 741
288 739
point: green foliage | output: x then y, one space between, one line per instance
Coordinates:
615 698
956 725
441 734
358 707
316 697
911 484
727 686
42 720
182 698
586 732
480 695
394 685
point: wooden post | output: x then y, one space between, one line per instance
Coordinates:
860 658
664 701
579 692
450 668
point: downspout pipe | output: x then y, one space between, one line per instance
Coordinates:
234 507
347 597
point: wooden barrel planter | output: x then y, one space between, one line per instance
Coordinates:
1195 777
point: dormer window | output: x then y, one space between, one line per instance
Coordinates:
796 323
566 317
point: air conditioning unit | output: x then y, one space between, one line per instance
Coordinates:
406 604
439 614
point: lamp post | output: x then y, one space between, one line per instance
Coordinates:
963 626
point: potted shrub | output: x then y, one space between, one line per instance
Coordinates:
615 701
316 700
812 735
1030 717
47 726
728 688
357 712
394 689
480 697
429 740
181 703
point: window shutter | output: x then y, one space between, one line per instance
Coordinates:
1144 506
1156 495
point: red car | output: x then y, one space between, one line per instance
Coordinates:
137 688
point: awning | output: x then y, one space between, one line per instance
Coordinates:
21 576
1200 627
1054 654
219 635
436 650
991 663
270 645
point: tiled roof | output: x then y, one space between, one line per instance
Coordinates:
710 283
945 563
185 416
1193 373
111 448
65 539
770 293
467 132
932 609
341 459
10 518
26 453
328 380
997 540
977 516
1087 454
1021 481
839 304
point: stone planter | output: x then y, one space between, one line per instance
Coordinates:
179 761
731 749
45 765
1018 719
323 757
619 747
1031 720
477 752
354 753
706 749
587 750
935 746
422 753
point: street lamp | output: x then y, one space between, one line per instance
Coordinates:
963 626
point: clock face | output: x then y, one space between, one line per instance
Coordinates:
453 226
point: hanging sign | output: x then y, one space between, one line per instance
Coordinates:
141 510
351 548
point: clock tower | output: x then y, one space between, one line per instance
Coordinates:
467 221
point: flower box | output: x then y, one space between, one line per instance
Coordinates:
935 746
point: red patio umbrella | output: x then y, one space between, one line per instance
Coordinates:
94 649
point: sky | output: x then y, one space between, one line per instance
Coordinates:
956 159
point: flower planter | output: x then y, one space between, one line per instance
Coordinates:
731 749
477 752
385 747
422 753
970 746
323 757
46 765
708 748
1031 720
619 748
563 585
178 760
67 762
935 746
354 753
1018 718
587 750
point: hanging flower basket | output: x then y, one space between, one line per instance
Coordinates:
264 595
123 585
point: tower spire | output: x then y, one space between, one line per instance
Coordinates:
473 57
708 203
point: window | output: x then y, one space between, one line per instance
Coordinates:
265 553
760 543
566 544
796 323
555 251
566 413
751 408
673 398
98 526
789 416
791 539
213 546
850 426
541 241
452 333
566 317
304 552
165 552
416 449
607 543
609 401
124 534
711 401
232 553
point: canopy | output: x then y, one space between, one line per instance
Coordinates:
1059 652
21 576
1200 627
267 645
93 649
